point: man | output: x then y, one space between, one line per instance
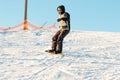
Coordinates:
57 40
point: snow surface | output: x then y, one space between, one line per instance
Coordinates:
88 56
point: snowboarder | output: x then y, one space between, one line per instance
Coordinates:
64 21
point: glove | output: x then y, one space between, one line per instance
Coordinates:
58 20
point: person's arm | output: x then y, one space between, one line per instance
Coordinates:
63 18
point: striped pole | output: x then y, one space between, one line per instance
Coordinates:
25 16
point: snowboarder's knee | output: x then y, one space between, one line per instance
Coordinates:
54 39
59 41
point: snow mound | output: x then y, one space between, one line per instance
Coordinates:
88 56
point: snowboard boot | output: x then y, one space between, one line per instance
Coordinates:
50 51
58 52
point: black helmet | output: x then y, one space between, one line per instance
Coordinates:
61 7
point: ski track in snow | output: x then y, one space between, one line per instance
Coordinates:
88 56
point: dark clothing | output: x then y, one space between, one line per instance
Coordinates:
64 21
57 40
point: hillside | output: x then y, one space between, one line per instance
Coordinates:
88 56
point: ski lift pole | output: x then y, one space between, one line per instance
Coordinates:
25 15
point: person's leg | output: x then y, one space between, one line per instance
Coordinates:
60 40
54 40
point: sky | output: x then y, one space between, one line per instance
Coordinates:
87 15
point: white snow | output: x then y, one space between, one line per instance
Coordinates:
88 56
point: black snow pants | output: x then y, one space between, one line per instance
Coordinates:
57 40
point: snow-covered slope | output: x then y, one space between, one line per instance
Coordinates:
88 56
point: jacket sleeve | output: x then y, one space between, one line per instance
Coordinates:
63 18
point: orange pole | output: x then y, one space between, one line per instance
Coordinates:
25 25
25 16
